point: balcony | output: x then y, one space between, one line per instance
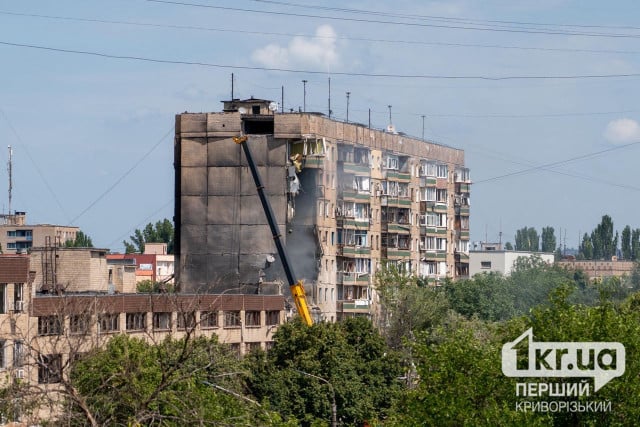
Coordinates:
354 306
352 278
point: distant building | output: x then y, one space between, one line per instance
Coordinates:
16 236
599 269
154 264
499 261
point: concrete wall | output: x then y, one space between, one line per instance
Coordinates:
77 269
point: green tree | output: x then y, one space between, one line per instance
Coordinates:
508 246
350 355
160 232
81 241
488 296
604 243
548 239
527 239
625 243
635 244
407 305
586 247
133 382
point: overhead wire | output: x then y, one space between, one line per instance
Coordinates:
558 163
442 18
316 36
408 24
123 176
35 165
316 72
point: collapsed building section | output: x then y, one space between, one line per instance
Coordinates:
347 199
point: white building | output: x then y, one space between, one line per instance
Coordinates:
500 261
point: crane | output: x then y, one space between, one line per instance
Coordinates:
295 286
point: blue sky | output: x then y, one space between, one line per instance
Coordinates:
92 135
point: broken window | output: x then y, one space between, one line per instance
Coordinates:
136 321
49 368
361 184
161 321
108 322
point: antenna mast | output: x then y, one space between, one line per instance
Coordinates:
10 170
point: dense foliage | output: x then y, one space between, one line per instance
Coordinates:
160 232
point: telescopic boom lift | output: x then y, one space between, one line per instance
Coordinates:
295 286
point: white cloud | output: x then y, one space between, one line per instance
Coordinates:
622 131
318 51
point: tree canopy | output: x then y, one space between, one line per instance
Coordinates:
160 232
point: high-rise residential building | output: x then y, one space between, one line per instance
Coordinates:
347 199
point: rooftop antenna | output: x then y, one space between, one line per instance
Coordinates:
348 94
10 170
304 96
423 127
232 86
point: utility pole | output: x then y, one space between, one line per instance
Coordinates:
390 121
423 127
348 93
329 97
304 96
10 170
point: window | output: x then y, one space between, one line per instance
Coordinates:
49 325
485 264
273 318
403 189
49 368
161 321
252 346
2 361
429 268
108 322
79 323
18 354
3 298
464 222
17 296
462 246
231 319
235 349
252 318
392 162
441 196
441 244
442 171
430 243
442 220
361 184
208 319
186 320
136 321
432 219
429 194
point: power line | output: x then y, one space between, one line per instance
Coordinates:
35 165
314 72
558 163
409 24
122 177
444 18
315 36
155 212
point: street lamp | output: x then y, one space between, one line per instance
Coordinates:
334 409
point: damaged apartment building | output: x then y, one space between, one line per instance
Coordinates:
347 200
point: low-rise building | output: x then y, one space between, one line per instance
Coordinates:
16 236
599 269
44 325
500 261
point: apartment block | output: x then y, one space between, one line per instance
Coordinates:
16 236
347 199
